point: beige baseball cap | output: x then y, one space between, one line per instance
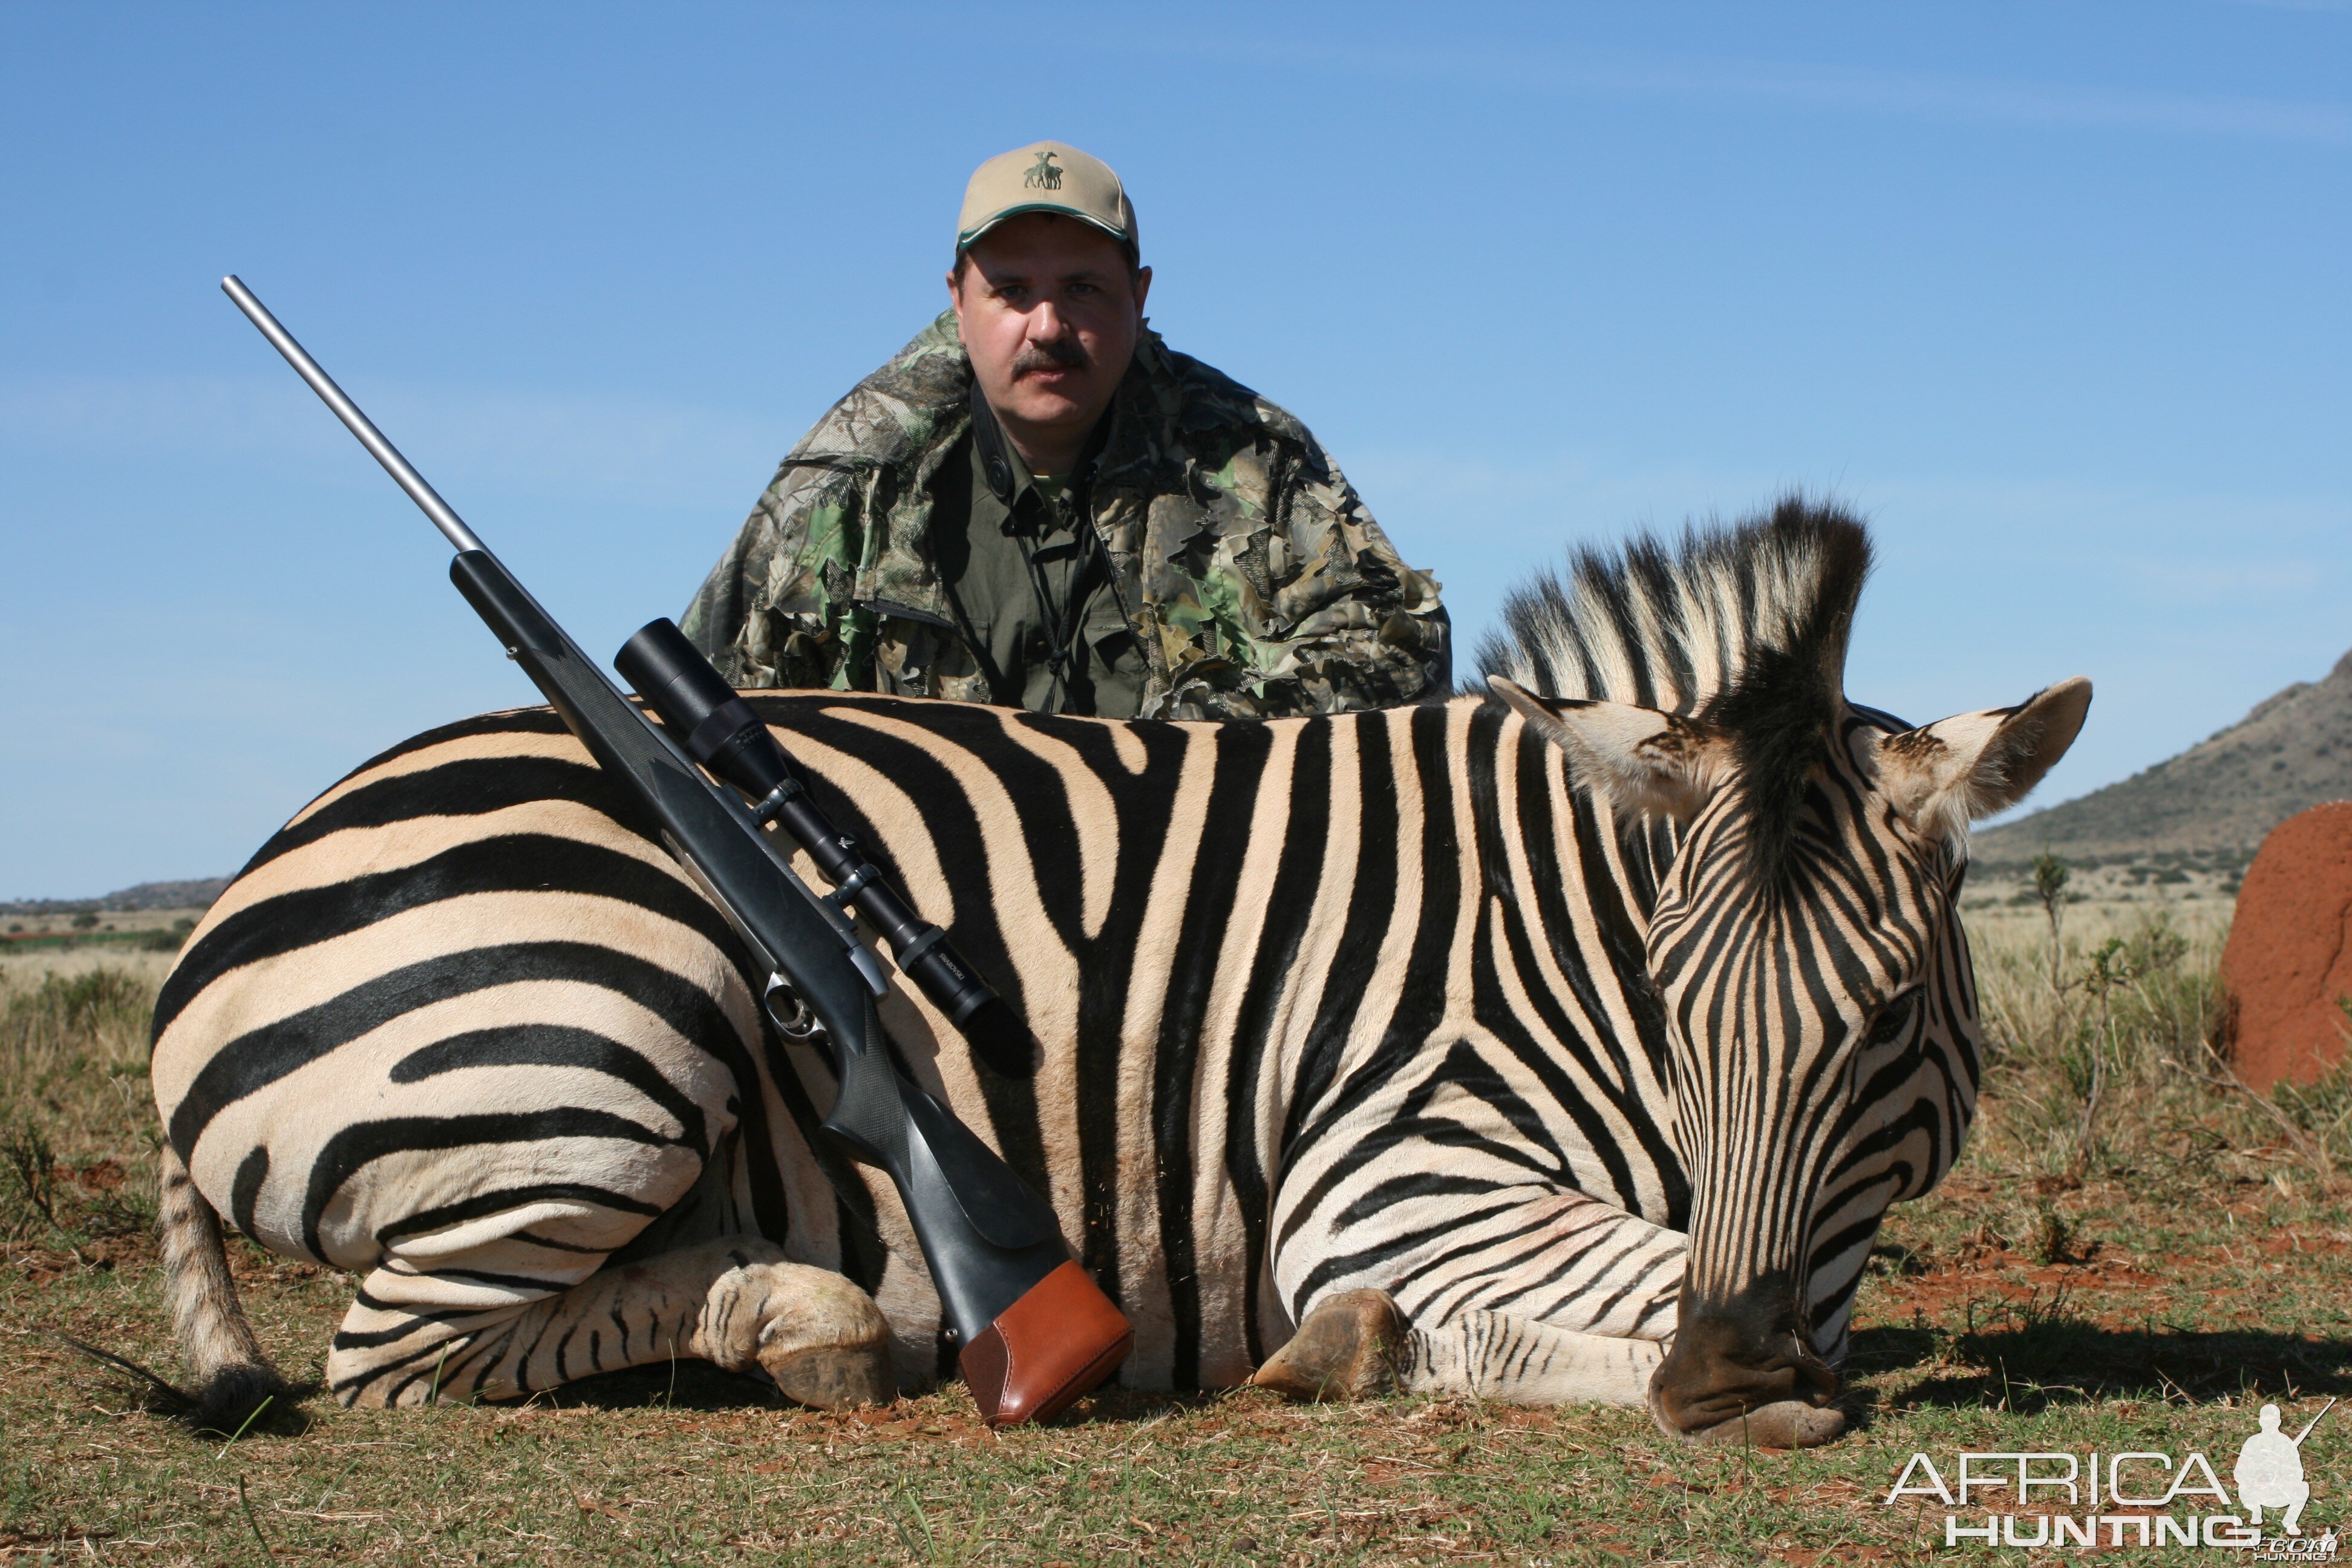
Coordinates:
1045 177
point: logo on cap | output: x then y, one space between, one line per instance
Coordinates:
1043 176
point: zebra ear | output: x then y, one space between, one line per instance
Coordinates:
1944 775
1640 760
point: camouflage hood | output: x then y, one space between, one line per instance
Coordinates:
1256 581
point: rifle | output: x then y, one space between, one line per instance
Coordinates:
1035 1331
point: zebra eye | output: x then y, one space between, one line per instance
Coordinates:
1892 1020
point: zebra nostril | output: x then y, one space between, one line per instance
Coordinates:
1822 1380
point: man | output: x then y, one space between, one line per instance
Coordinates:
1038 503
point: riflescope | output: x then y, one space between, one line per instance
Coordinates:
718 729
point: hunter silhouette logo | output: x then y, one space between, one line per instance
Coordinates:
2270 1470
2138 1498
1043 176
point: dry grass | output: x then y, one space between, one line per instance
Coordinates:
2134 1285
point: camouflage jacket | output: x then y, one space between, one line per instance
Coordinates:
1256 581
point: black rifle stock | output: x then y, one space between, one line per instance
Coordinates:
1034 1330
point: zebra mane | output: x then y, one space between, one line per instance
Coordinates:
1743 628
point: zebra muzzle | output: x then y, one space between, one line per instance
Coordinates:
1058 1341
1743 1375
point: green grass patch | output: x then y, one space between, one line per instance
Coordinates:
70 942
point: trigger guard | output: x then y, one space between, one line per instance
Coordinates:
802 1023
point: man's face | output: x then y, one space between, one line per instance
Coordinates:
1049 315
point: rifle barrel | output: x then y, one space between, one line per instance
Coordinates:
453 527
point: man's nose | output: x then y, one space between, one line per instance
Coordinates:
1046 322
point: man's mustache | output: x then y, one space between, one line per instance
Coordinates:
1060 354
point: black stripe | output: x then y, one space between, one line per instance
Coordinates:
539 721
1240 765
1421 1004
506 1198
469 787
506 863
1106 976
261 1056
554 1044
524 721
245 1192
1290 907
1370 908
356 1146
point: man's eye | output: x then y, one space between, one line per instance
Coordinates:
1084 290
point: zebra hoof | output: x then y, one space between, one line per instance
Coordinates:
1350 1347
1787 1423
825 1341
828 1377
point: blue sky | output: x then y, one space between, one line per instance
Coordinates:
2056 293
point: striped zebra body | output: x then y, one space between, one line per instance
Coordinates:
1238 942
1425 1002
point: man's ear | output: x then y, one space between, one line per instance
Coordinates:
1639 760
1944 775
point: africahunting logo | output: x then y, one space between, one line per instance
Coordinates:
2068 1500
1043 176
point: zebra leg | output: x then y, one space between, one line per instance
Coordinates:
737 1303
1518 1361
1350 1347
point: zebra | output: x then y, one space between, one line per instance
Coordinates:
1564 1041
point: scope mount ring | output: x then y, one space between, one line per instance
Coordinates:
776 799
867 871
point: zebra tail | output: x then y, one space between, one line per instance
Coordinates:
233 1377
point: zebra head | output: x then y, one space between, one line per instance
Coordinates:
1821 1034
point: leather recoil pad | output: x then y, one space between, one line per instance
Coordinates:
1059 1340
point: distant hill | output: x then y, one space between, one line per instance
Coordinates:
2217 798
192 895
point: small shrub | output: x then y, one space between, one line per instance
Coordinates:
2034 1337
2049 1238
85 923
31 1201
172 941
